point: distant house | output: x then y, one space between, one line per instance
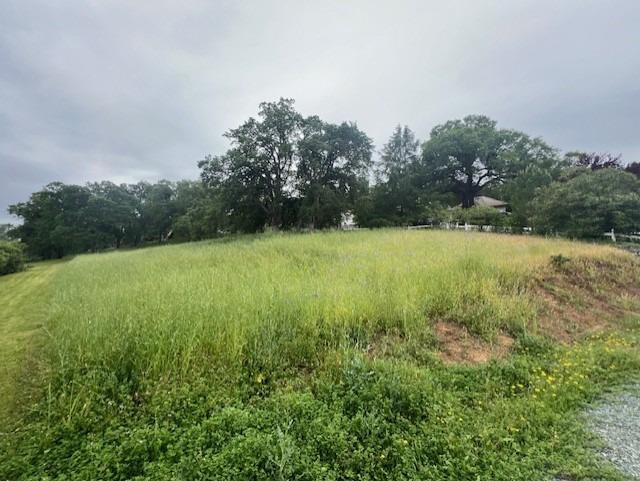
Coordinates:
347 221
485 201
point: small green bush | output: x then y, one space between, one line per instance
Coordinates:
12 257
559 261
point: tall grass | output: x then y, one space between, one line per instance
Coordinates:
265 303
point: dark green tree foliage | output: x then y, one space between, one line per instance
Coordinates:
239 186
283 170
4 231
332 170
257 172
199 212
12 257
113 211
633 168
64 219
470 155
396 197
543 168
53 224
157 210
589 204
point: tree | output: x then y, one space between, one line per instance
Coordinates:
522 188
260 165
589 204
470 155
334 161
157 210
396 196
64 219
633 168
113 210
593 160
4 231
198 212
239 185
283 170
399 154
52 222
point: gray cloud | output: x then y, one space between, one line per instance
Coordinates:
141 90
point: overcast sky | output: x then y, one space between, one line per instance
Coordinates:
141 90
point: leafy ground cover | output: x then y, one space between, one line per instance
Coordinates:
318 357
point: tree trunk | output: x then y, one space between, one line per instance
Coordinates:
316 209
468 199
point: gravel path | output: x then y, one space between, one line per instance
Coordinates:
617 422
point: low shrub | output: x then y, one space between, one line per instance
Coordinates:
559 261
12 258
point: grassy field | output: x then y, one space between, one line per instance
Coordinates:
316 357
25 299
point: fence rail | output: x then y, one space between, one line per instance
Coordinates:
635 237
612 235
471 228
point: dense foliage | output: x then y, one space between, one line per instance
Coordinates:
287 171
12 257
360 419
4 231
469 155
589 203
68 219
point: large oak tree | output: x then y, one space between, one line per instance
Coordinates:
470 155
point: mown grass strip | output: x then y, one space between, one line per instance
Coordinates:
24 305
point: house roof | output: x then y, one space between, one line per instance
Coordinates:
485 201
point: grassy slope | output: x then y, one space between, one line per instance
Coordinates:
24 298
279 301
252 360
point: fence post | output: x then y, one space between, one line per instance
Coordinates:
613 235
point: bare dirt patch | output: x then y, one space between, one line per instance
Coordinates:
458 345
583 298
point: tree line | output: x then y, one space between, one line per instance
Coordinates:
287 171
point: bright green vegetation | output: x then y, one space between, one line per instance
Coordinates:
258 359
12 258
24 300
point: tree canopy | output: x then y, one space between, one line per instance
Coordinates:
470 155
589 204
397 196
283 170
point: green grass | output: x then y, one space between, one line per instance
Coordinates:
24 301
280 301
251 359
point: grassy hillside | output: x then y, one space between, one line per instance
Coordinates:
25 301
317 357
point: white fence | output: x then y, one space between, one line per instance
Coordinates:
635 237
613 236
472 228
